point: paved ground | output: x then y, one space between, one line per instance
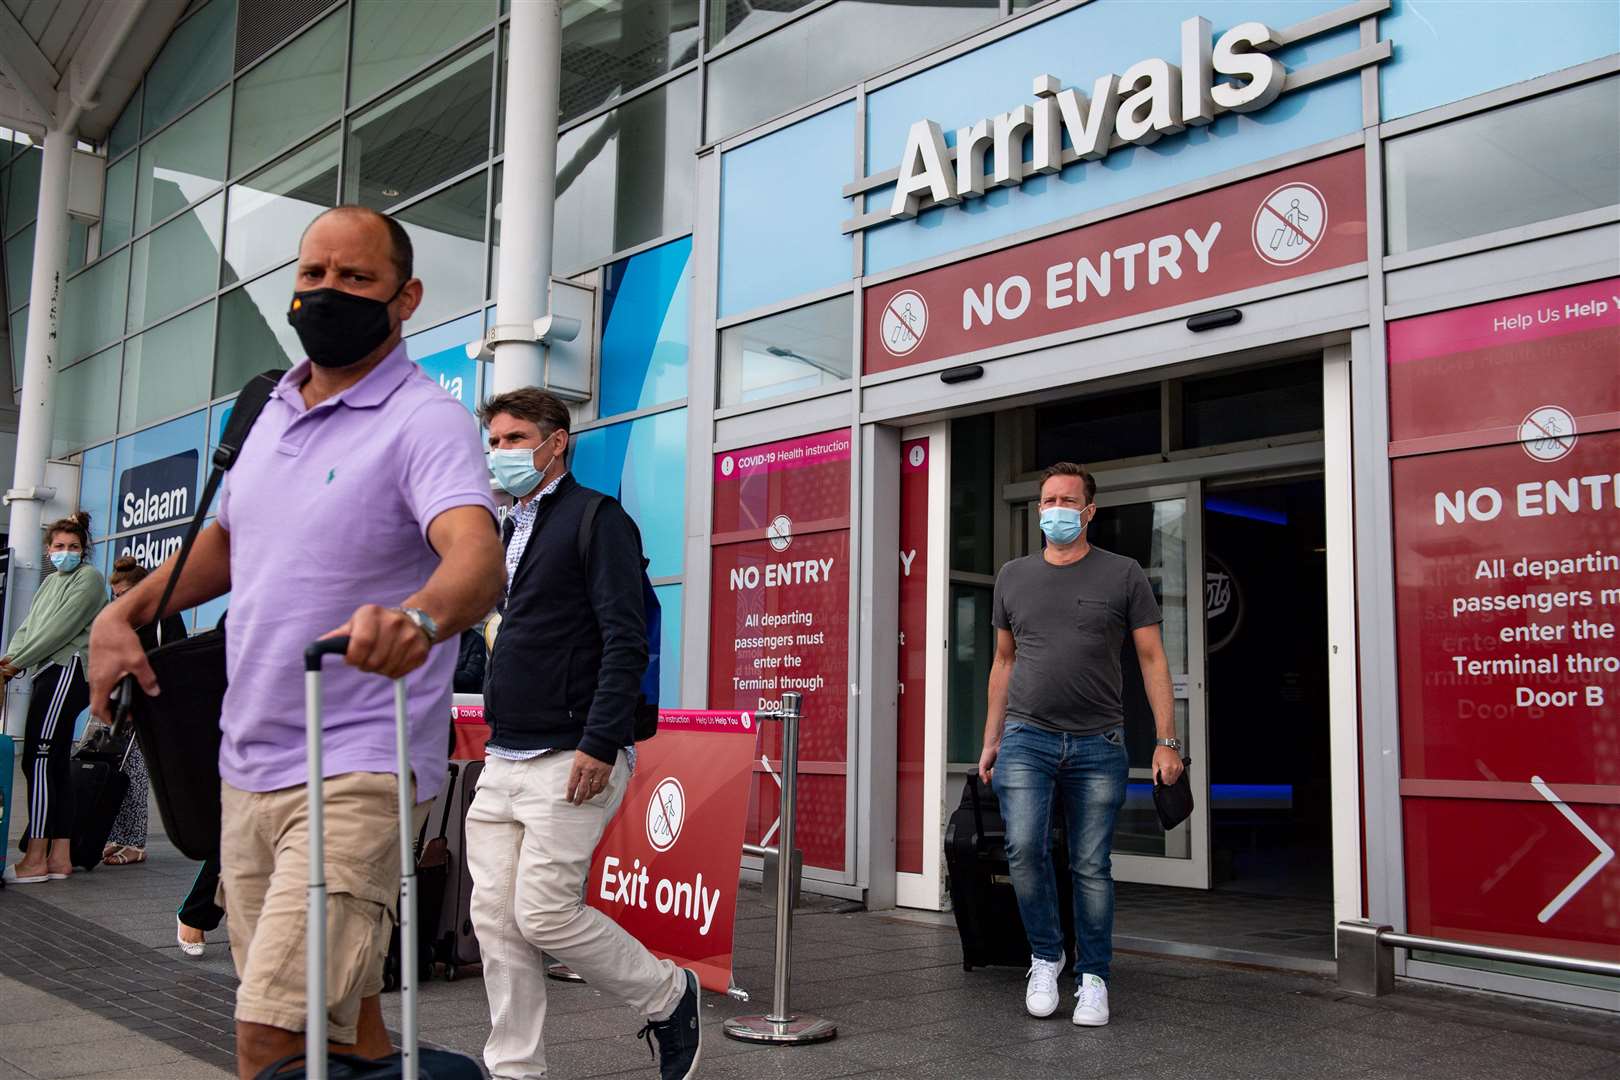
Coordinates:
93 986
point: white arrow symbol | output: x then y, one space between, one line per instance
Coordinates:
1605 852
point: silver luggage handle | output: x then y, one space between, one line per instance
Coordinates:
315 953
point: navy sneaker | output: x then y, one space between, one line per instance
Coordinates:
680 1038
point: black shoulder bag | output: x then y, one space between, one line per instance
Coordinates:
179 729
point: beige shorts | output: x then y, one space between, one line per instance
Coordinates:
264 874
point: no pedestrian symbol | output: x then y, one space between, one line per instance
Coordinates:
905 321
1290 223
666 811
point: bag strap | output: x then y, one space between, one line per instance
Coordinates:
249 404
449 802
587 524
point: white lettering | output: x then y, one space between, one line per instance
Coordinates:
906 559
1164 253
1016 283
1201 245
1236 55
1127 255
1197 72
1090 127
1153 85
1058 285
1011 127
971 143
922 171
975 305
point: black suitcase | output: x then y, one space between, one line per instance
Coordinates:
457 947
99 786
982 896
433 877
315 1061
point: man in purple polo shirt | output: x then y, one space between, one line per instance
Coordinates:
360 505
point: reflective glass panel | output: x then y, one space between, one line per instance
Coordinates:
195 61
642 463
126 132
22 190
1255 404
644 329
974 499
295 91
424 133
392 39
96 298
95 486
19 267
972 647
447 232
626 177
1533 161
19 345
828 50
788 353
184 164
85 404
669 653
166 368
268 211
253 331
611 46
739 20
174 265
118 208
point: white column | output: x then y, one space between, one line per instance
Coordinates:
41 359
528 185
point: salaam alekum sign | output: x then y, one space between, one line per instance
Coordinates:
1151 99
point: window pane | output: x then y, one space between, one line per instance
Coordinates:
784 354
268 212
611 46
626 177
973 494
195 62
95 486
829 50
644 329
19 346
118 209
669 651
642 463
176 264
96 298
22 190
253 331
19 267
393 39
424 134
85 404
447 232
1534 161
972 647
1253 404
1103 427
183 164
127 130
166 368
738 20
78 245
291 94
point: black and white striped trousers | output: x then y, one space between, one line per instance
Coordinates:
60 693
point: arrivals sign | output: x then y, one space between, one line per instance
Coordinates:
1152 98
1286 224
666 869
1505 419
779 620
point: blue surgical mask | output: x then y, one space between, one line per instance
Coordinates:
1062 524
66 561
514 470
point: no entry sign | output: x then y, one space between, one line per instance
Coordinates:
1295 221
1506 485
666 869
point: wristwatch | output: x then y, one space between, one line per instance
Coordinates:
1174 744
424 622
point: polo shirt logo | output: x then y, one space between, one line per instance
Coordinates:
330 476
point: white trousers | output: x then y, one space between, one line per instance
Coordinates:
528 850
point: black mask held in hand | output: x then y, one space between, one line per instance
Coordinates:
338 328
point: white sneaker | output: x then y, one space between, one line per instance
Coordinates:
1091 1002
1041 995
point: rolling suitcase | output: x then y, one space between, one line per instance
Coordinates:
412 1062
99 785
433 877
982 897
458 943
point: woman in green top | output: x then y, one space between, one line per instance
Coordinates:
54 640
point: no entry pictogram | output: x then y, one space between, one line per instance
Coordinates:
666 812
1289 224
905 320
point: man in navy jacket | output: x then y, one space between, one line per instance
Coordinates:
561 692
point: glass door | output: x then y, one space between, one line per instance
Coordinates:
1160 527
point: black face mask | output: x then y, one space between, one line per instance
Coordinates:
338 328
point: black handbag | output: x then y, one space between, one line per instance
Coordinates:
1174 802
179 729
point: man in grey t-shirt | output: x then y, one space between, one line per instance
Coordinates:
1054 729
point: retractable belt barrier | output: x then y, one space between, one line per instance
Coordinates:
1367 957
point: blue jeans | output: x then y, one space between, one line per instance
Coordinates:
1089 773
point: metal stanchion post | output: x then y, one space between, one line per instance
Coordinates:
781 1025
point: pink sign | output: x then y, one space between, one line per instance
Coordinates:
792 454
